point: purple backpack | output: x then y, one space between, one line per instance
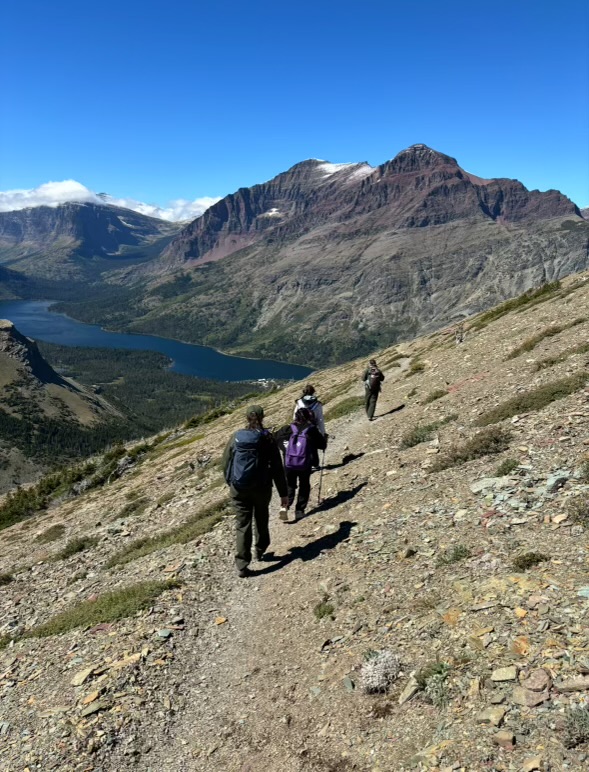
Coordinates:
298 451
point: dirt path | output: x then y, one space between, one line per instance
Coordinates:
251 698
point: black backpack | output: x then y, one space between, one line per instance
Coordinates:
374 379
243 469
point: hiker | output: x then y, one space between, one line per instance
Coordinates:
252 461
310 401
304 442
372 378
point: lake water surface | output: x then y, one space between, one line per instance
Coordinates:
34 319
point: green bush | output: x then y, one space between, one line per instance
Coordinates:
75 546
109 607
455 555
536 399
543 364
196 526
578 510
5 579
529 560
485 443
324 609
415 366
506 467
530 343
544 292
424 432
343 408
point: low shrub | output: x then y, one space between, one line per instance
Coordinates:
529 560
109 607
324 609
485 443
576 725
51 534
75 546
424 432
343 408
433 395
134 507
454 555
578 511
6 579
536 399
506 467
549 332
415 366
544 292
199 524
431 679
543 364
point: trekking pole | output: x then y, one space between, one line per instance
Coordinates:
320 480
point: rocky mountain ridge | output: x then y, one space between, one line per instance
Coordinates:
57 242
430 614
420 187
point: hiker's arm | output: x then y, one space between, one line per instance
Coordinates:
227 456
319 439
381 376
277 469
320 418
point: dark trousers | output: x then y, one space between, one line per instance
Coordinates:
303 480
370 403
250 508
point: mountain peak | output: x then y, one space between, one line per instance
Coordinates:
418 157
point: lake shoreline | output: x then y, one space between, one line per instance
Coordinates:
37 320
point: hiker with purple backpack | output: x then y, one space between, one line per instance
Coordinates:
304 442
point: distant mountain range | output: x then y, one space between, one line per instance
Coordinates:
322 263
78 240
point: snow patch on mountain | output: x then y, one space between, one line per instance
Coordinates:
70 191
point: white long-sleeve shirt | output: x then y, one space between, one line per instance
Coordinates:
317 408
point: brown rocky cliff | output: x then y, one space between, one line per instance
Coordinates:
418 188
24 351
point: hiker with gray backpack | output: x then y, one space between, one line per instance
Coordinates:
303 441
372 378
251 463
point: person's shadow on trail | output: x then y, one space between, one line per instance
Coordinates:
339 498
345 461
309 551
390 412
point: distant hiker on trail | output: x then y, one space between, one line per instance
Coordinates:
252 461
304 442
310 401
372 378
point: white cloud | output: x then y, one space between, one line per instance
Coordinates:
56 193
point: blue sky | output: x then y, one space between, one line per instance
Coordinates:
187 99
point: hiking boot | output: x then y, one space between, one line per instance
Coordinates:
243 573
283 514
299 513
260 556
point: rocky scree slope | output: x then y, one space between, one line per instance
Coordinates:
459 592
356 257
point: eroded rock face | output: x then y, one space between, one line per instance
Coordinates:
25 351
420 187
